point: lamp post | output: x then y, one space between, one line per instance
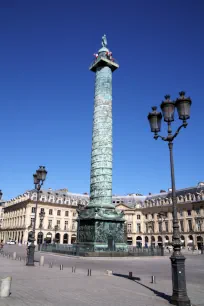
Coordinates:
56 227
200 222
39 178
179 296
161 217
79 209
150 225
41 217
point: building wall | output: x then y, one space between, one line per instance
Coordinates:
19 216
145 226
141 215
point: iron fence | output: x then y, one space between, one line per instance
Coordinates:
76 250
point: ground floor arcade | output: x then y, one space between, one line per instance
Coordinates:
187 240
20 236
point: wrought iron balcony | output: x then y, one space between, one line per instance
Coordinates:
106 58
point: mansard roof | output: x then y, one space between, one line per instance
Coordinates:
179 192
61 196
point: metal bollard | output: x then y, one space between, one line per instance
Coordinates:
6 286
73 269
153 279
89 272
50 265
19 258
130 275
61 267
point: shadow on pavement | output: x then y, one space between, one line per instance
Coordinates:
126 276
138 279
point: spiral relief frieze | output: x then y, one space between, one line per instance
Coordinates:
101 162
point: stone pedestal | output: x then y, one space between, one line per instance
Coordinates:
101 230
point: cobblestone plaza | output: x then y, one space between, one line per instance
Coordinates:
50 287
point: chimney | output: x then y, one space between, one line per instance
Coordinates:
161 191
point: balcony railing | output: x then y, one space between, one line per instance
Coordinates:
105 58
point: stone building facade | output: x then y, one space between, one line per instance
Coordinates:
59 222
148 218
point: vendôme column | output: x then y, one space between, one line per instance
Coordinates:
101 157
100 225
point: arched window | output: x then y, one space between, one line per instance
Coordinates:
49 237
57 238
146 241
160 240
65 239
152 240
129 240
199 242
73 239
40 238
139 241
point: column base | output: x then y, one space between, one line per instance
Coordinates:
179 296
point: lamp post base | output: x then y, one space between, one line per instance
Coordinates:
179 297
30 257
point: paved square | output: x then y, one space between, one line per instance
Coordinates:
50 286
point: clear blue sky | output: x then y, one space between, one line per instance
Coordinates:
47 91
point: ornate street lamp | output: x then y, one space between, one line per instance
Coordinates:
182 104
39 178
